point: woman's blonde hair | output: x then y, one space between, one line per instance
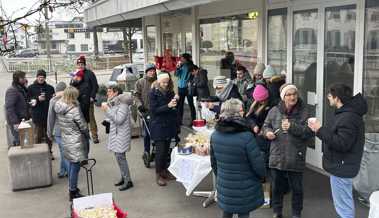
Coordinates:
231 108
70 96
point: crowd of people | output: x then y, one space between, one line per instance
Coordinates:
262 129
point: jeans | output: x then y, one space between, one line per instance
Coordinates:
63 163
342 192
123 165
161 156
230 215
146 137
92 122
281 180
73 173
40 131
183 92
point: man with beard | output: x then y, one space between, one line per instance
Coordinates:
40 93
16 104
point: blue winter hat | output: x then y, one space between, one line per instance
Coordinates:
269 72
149 66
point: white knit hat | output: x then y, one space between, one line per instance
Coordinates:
285 88
162 76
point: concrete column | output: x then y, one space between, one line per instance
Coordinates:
195 36
159 35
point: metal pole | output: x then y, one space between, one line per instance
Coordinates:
47 35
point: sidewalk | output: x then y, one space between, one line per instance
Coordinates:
146 199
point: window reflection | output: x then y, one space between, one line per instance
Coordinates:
371 66
339 54
237 34
277 39
305 56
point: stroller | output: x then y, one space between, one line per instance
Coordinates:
149 157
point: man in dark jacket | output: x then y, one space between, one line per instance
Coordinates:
142 90
40 93
16 104
343 143
199 82
93 87
285 126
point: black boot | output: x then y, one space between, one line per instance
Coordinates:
121 182
75 194
126 186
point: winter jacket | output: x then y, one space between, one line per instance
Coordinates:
241 85
183 75
288 150
90 79
52 124
164 122
84 97
73 128
40 110
142 90
16 104
119 138
200 81
343 141
238 165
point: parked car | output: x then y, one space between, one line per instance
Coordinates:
26 53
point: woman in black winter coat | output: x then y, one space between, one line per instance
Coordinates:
163 126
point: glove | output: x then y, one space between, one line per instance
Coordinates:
107 126
142 109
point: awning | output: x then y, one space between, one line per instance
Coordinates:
112 12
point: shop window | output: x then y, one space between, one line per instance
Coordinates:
71 35
87 35
151 40
277 39
236 34
371 66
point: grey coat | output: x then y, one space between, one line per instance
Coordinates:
72 125
52 126
119 138
288 150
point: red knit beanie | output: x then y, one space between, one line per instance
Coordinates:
81 60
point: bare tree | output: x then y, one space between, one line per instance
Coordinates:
9 24
127 33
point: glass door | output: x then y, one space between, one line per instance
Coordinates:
340 25
304 58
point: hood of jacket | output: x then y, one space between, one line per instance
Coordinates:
61 107
232 125
125 98
357 105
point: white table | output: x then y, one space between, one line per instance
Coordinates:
190 170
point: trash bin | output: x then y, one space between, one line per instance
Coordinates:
366 182
374 205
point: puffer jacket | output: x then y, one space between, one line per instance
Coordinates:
52 126
118 115
343 140
73 128
238 165
288 150
164 122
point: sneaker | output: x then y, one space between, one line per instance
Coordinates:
96 141
61 175
126 186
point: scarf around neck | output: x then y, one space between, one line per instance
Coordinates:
224 94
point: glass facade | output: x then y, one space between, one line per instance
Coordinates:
151 43
237 34
305 56
371 66
340 24
277 39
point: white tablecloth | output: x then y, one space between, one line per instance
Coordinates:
189 170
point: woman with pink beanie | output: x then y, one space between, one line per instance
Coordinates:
256 116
